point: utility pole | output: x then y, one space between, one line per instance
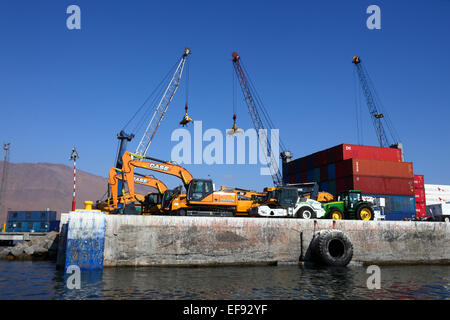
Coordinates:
4 174
74 156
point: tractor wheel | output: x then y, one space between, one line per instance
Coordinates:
336 214
364 212
305 213
332 248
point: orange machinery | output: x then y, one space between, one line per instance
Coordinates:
114 176
200 197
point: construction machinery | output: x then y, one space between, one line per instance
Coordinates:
310 190
385 131
349 205
200 197
162 103
287 202
261 121
115 176
246 199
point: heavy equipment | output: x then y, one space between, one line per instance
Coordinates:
288 202
246 199
261 121
200 198
385 131
115 176
156 119
310 190
349 205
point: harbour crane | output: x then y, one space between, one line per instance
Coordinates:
155 120
386 135
261 121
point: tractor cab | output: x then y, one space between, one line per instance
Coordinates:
351 199
168 196
285 197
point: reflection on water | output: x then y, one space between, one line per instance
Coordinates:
40 280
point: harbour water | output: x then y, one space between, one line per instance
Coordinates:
40 280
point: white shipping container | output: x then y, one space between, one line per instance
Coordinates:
437 188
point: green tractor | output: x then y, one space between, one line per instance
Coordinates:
350 205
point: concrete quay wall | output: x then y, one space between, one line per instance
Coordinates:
188 241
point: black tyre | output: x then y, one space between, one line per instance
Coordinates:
336 214
181 212
364 212
305 213
332 248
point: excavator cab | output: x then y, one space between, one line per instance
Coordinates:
199 189
168 196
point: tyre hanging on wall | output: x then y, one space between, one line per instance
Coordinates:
332 248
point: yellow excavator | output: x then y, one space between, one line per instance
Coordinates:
200 198
112 203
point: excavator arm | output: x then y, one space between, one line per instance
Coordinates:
149 181
130 161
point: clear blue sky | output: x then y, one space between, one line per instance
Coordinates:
60 87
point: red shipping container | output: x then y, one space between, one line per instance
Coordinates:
421 210
324 173
292 177
376 168
316 159
304 176
420 195
419 182
377 185
349 151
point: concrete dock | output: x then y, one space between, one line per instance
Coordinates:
207 241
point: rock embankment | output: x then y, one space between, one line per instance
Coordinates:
38 248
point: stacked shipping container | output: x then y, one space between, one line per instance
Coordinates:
419 192
435 194
32 221
376 171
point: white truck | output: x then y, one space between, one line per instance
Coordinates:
286 202
439 212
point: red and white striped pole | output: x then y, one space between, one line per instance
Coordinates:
74 157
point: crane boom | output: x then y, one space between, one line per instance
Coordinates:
161 109
375 115
261 132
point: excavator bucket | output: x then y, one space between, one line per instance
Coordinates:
235 128
186 119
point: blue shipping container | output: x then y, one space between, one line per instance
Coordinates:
397 204
32 215
324 186
309 176
332 171
32 226
398 216
298 178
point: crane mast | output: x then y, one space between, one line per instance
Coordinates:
161 109
253 105
375 115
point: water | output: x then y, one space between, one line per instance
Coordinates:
40 280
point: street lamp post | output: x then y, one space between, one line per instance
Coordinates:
74 156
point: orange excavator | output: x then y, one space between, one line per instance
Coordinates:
112 203
200 198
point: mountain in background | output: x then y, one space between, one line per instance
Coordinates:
38 186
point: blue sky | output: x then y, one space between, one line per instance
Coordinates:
60 87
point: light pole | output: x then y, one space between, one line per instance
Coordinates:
74 156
